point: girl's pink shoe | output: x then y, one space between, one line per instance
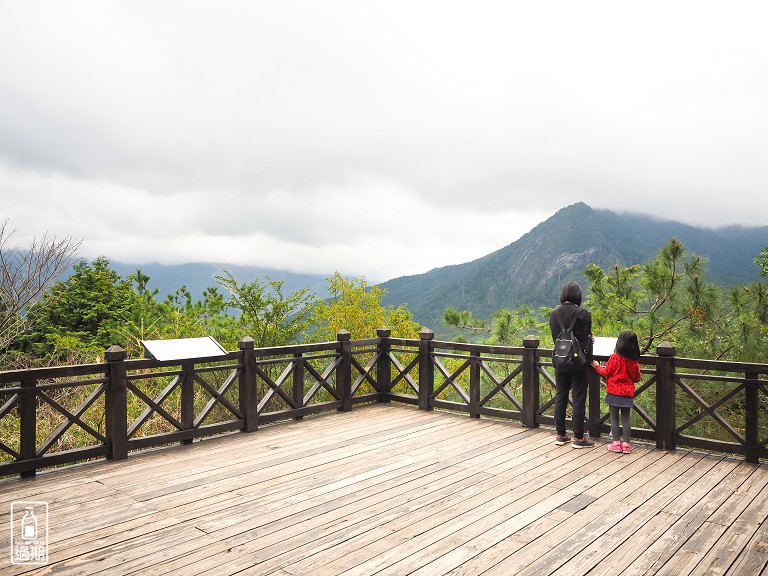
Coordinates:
625 447
615 446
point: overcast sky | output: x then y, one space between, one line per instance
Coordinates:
372 138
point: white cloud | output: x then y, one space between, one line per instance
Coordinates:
367 228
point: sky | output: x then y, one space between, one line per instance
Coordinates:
374 139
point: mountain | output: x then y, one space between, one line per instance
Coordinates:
532 269
168 278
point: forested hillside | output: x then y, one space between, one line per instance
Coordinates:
532 269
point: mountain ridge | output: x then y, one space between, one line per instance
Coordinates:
532 269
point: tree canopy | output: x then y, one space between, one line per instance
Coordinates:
82 313
94 307
357 307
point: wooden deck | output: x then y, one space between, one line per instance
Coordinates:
389 489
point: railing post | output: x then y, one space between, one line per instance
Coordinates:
384 365
593 393
530 382
665 396
28 425
344 371
474 383
298 381
752 418
187 398
247 386
116 400
426 369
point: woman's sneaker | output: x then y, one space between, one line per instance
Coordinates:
562 440
625 447
615 446
582 443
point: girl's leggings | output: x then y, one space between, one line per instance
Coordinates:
626 428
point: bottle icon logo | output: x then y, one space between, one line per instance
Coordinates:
29 533
29 524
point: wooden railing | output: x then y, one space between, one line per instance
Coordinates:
61 415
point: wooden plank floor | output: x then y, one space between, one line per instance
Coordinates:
393 490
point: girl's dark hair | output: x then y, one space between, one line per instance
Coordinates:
571 292
627 346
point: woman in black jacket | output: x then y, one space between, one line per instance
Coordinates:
574 383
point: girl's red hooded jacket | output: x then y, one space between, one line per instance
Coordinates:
620 373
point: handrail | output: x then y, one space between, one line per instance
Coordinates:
59 415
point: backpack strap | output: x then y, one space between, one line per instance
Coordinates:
573 323
573 320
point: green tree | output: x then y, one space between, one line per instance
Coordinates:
178 316
743 330
664 298
266 314
464 320
357 307
762 262
143 318
742 326
506 328
83 312
184 317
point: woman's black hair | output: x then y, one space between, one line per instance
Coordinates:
571 292
627 346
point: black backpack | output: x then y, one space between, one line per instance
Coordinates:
568 355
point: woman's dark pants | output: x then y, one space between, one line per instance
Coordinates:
576 385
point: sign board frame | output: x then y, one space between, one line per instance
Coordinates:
183 348
603 346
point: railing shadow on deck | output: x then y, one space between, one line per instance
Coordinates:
61 415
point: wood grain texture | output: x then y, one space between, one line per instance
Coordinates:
389 489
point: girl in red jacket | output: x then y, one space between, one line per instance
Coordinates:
621 372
